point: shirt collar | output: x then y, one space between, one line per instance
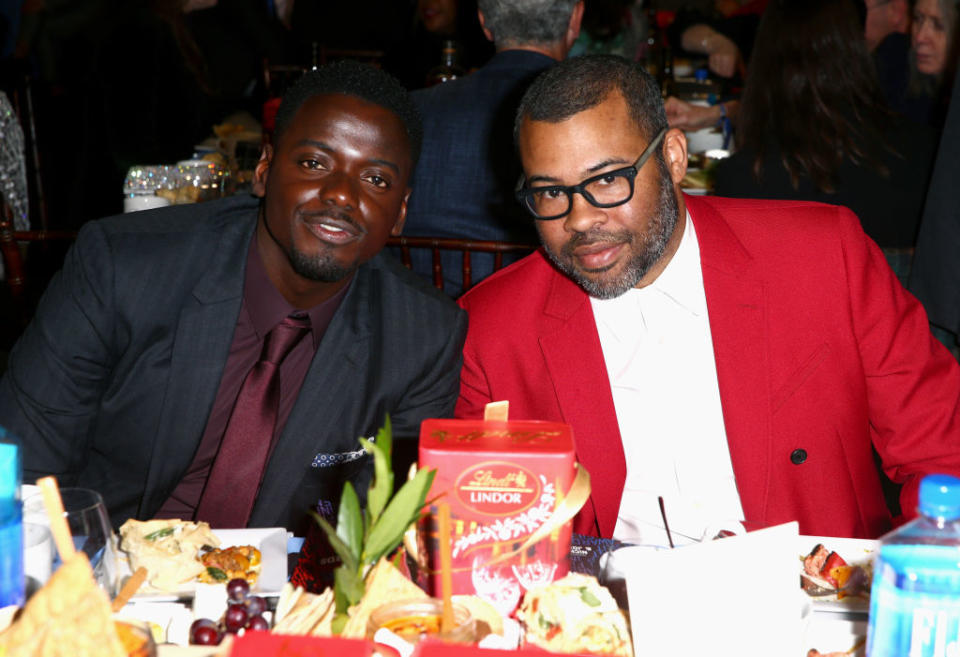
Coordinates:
682 278
266 307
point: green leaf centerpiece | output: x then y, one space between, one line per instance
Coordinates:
361 537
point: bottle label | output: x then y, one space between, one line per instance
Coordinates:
913 623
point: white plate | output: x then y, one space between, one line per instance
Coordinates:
856 552
272 543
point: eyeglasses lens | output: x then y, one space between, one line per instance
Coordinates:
604 191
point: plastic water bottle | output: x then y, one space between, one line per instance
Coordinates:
915 599
11 523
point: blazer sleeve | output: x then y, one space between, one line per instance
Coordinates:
435 392
913 383
57 371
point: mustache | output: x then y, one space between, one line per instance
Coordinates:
595 236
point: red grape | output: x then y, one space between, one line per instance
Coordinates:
236 617
258 623
204 632
237 589
256 605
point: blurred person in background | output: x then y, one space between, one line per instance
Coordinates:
468 167
723 32
813 126
932 63
935 277
434 22
887 31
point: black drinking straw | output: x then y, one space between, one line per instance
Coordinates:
666 525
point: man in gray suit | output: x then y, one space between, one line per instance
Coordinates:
463 186
128 377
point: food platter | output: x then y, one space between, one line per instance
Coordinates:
272 543
856 552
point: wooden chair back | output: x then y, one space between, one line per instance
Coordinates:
21 96
13 246
436 245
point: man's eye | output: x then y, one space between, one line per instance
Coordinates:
550 193
608 180
379 181
310 164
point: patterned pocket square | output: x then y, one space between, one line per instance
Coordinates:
325 460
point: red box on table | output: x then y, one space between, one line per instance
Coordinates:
503 481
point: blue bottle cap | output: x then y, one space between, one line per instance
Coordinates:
701 75
940 496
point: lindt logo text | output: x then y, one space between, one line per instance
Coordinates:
497 488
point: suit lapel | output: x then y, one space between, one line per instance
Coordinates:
203 335
737 309
331 399
574 359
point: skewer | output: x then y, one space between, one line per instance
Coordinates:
666 525
129 588
58 522
447 621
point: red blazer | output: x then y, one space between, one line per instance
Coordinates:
822 358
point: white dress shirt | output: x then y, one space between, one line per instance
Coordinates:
659 356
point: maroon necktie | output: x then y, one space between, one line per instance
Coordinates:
234 480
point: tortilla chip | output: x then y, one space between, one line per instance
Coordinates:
384 584
69 617
309 614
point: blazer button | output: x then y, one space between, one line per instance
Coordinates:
798 456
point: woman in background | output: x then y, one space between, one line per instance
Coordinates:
813 126
933 61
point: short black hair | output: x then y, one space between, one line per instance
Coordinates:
354 79
579 83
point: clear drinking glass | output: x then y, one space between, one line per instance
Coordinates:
89 524
38 554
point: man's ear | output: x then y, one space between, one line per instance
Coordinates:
675 154
483 25
573 27
261 171
401 216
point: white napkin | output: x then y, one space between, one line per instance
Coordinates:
736 595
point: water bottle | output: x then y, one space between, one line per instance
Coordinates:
915 599
11 523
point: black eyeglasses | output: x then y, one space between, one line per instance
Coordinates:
605 190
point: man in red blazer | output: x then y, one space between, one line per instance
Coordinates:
822 361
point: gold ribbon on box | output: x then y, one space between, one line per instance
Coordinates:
569 506
576 497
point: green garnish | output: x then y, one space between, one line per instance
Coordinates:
544 623
589 598
363 536
216 574
160 533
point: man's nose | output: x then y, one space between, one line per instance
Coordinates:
583 215
340 189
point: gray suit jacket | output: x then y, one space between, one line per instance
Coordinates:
111 385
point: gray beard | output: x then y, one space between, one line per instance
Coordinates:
654 241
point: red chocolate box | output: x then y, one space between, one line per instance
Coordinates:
503 482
